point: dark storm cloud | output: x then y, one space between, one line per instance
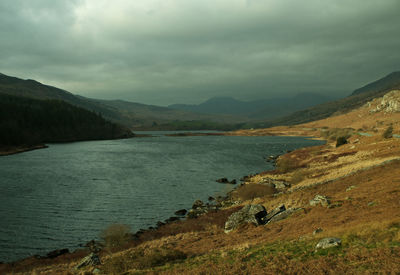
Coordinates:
173 51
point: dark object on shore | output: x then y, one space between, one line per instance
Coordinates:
211 198
197 204
341 141
159 224
181 212
225 180
94 246
55 253
171 219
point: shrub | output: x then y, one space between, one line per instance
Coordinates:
115 236
285 165
252 191
335 133
341 141
388 132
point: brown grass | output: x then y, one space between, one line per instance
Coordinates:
252 191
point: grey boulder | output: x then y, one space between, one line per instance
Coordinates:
248 214
328 243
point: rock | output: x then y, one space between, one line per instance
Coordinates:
351 188
181 212
91 260
56 253
328 243
274 212
194 213
94 246
171 219
211 198
248 214
318 199
284 214
278 184
197 204
159 224
316 231
225 180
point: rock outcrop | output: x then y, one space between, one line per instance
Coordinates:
389 103
91 260
319 199
248 214
328 243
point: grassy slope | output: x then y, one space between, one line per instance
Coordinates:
361 179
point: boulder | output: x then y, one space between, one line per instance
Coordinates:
248 214
318 230
223 180
91 260
274 212
319 199
328 243
194 213
283 214
171 219
181 212
197 204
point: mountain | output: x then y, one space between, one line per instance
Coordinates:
389 82
27 122
256 109
132 115
358 98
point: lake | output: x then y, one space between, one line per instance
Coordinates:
65 195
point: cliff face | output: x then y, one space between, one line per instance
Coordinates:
389 103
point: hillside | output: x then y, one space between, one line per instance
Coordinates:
358 98
256 109
389 82
26 122
348 194
132 115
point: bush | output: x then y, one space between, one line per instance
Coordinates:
341 141
335 133
252 191
116 235
388 132
285 165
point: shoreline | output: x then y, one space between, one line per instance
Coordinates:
19 149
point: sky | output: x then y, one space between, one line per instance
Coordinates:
186 51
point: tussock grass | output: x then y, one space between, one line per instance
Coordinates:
252 191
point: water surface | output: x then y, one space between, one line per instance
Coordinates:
65 195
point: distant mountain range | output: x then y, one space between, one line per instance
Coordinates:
132 115
219 113
256 109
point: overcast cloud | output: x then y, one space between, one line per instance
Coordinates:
186 51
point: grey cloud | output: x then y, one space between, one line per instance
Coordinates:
176 51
